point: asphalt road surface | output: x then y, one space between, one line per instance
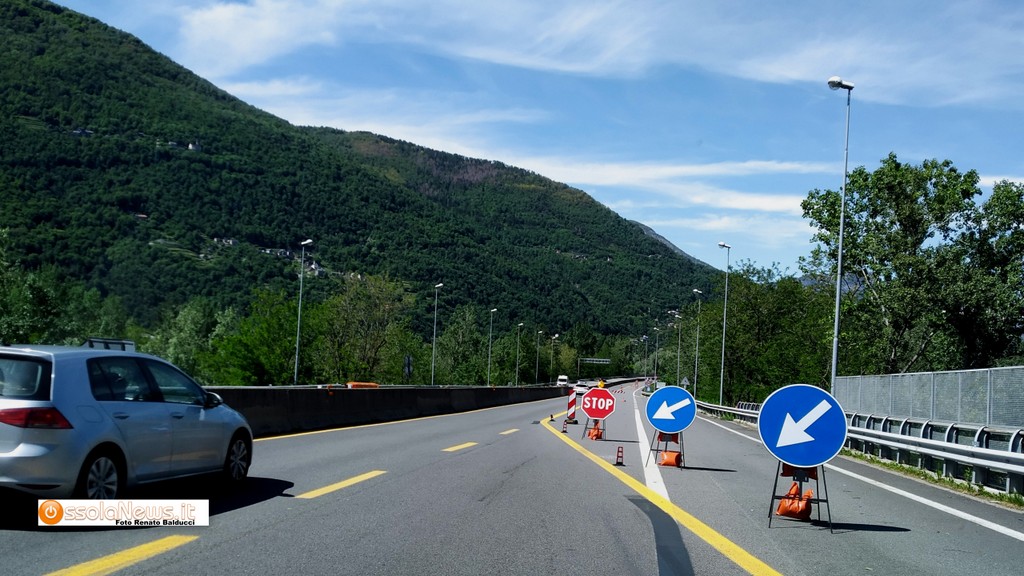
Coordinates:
505 491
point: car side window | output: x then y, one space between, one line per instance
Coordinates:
175 386
119 379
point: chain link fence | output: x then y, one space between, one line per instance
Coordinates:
991 397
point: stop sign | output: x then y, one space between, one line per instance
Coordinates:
598 403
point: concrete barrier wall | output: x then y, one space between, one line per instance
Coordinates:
282 410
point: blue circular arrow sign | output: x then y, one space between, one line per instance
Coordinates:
802 425
671 409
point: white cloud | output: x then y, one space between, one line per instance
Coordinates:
224 37
274 89
988 181
911 52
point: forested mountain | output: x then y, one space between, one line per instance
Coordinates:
127 172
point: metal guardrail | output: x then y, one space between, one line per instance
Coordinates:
993 457
744 414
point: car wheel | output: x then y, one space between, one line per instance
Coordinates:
101 478
236 464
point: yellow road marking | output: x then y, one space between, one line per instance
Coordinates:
459 447
125 558
339 485
506 432
727 547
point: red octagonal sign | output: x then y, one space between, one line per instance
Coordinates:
598 403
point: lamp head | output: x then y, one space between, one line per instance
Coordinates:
306 242
724 245
493 310
695 291
438 285
836 83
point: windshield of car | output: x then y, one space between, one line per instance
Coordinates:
24 378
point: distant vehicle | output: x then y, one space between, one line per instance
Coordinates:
581 387
563 380
89 423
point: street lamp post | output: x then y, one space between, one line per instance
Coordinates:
490 333
647 357
657 343
836 83
679 347
519 329
433 341
298 324
725 309
551 371
696 348
536 369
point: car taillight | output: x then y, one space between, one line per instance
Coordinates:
48 418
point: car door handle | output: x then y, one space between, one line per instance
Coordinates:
121 415
177 415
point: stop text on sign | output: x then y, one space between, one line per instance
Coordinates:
598 403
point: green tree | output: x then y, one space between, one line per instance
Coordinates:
462 349
353 327
260 352
185 337
980 278
916 244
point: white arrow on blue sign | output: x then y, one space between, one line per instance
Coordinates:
671 409
802 425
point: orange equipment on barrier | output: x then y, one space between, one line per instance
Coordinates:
595 433
795 506
670 458
666 457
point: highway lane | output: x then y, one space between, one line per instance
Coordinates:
503 491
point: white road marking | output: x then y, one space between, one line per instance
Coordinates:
920 500
652 475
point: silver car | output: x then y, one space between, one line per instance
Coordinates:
89 423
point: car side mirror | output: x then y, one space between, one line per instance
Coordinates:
213 400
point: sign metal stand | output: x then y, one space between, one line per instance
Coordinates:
804 427
800 476
670 410
665 438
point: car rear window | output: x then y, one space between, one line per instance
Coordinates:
24 378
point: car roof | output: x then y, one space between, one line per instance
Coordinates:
54 351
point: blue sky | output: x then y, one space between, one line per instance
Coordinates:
707 121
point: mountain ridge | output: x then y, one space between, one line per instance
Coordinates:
120 168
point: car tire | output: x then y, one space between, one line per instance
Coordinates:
238 459
101 478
